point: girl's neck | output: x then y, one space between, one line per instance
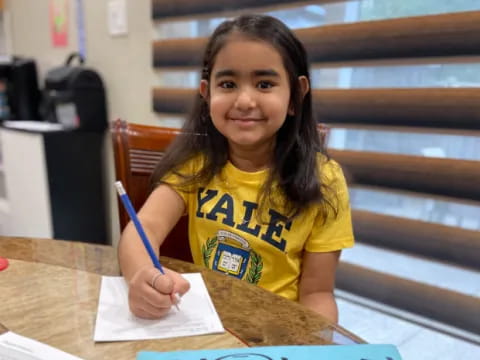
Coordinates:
251 160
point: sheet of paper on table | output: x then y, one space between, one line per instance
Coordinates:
17 347
330 352
115 322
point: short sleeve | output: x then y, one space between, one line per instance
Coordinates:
176 178
334 232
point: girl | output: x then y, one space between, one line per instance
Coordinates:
265 203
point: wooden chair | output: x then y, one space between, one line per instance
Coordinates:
137 150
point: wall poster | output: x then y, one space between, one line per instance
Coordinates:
59 22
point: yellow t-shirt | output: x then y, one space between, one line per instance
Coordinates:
225 234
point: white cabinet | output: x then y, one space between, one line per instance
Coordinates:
25 204
53 185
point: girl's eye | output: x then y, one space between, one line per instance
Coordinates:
265 84
227 85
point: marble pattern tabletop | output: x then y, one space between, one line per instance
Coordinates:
50 293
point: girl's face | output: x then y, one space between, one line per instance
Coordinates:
248 93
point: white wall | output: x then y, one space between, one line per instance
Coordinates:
124 62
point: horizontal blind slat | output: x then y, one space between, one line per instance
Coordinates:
450 307
453 34
449 177
162 9
454 244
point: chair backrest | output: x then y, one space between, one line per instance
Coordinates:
137 150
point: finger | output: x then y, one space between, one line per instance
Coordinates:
144 314
149 304
157 299
154 311
145 293
183 286
180 284
163 284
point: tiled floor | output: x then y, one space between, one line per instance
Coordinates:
379 324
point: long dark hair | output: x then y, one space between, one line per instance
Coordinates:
295 169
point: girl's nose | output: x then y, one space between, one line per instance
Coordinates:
245 100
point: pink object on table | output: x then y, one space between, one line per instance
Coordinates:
3 263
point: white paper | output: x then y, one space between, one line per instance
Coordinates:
115 322
29 125
17 347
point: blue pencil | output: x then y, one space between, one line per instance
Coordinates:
133 216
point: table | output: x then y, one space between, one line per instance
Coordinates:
50 293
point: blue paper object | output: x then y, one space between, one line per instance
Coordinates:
310 352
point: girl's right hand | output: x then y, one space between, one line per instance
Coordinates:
148 302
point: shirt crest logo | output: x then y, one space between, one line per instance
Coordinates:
233 255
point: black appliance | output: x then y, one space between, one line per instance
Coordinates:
74 96
19 92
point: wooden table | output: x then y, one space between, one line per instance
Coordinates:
50 293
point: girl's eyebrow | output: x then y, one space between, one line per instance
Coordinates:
222 73
266 72
261 72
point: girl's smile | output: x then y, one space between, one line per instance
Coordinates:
246 122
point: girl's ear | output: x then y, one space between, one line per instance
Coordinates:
203 89
304 85
304 89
